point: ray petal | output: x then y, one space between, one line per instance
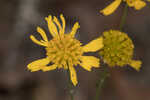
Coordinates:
51 26
74 29
49 68
136 64
73 75
38 64
111 8
42 33
63 23
139 4
37 41
58 24
94 45
87 62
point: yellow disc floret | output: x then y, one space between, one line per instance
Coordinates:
61 50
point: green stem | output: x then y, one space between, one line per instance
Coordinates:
71 91
105 73
71 87
103 76
123 18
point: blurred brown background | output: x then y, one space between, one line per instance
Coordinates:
19 19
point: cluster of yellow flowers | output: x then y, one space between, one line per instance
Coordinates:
65 51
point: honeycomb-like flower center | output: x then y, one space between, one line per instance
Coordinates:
118 48
63 50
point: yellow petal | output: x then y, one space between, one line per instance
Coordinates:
74 29
148 0
37 41
49 68
51 26
111 8
139 4
63 23
94 45
136 64
42 33
58 24
73 75
89 61
38 64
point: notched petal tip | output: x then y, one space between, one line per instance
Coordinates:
48 18
138 5
77 25
37 65
136 64
87 62
33 68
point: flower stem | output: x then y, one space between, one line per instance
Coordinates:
123 18
71 87
71 91
100 83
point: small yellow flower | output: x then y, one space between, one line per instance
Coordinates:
64 51
137 4
118 50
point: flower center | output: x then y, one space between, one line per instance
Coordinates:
64 49
118 48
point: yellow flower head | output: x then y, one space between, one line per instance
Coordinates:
64 51
137 4
118 49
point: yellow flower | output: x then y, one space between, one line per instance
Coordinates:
64 51
137 4
118 50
